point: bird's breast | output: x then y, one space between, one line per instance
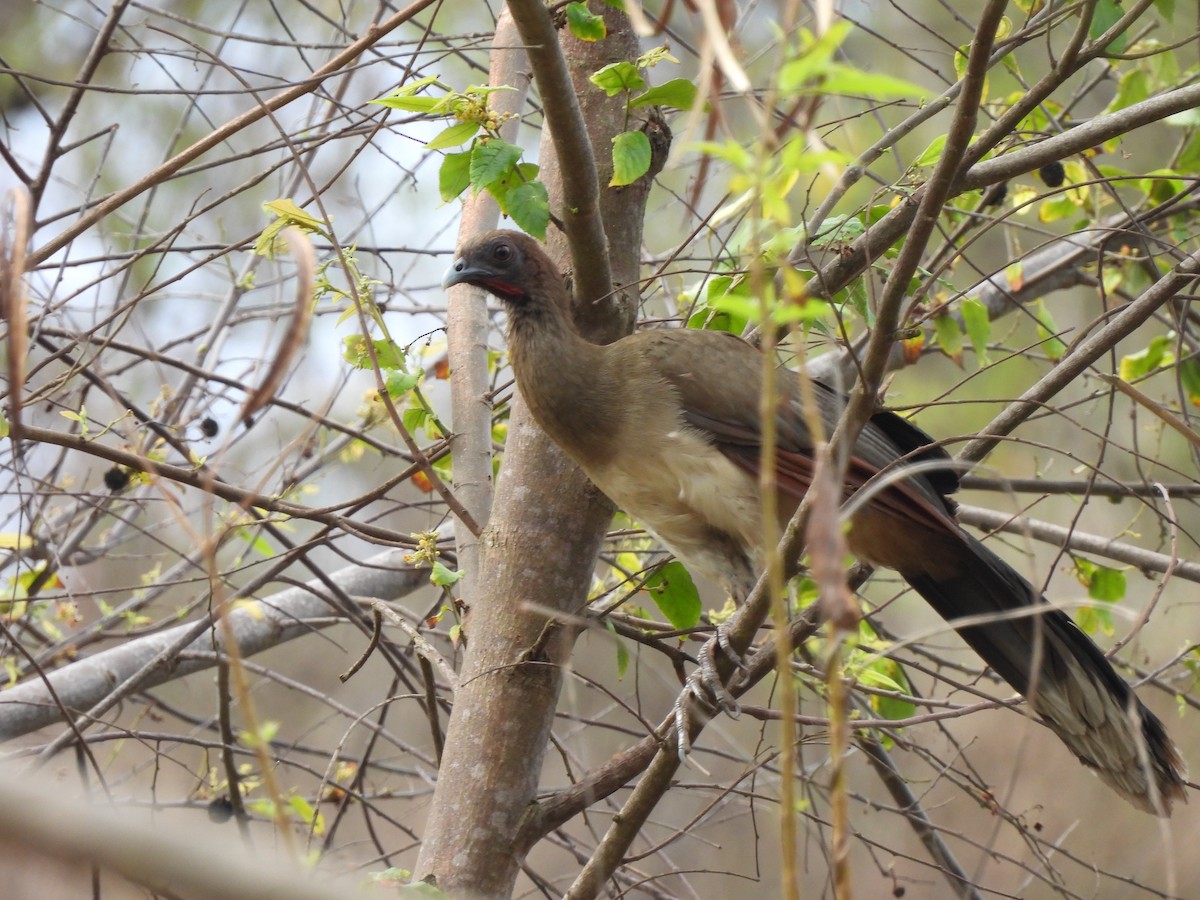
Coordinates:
699 504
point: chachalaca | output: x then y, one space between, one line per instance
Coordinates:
666 423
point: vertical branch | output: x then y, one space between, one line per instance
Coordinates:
468 324
547 523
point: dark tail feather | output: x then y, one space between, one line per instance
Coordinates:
1075 690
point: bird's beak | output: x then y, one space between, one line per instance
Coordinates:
462 272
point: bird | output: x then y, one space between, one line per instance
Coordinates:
666 422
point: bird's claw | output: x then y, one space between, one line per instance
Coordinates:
705 693
709 679
730 651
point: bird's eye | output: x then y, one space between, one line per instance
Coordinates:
502 253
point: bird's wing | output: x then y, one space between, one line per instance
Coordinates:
718 380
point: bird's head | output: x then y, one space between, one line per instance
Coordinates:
505 263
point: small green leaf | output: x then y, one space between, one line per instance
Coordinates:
1107 585
892 708
675 595
410 104
400 383
266 733
1189 377
631 157
584 24
1107 14
414 419
355 351
287 209
931 154
949 337
442 576
840 79
1155 355
622 651
491 160
529 206
454 176
617 77
286 213
454 136
654 55
1047 331
678 93
1134 87
979 328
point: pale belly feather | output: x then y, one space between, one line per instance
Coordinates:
699 504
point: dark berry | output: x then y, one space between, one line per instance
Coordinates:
209 427
995 195
116 479
220 810
1052 174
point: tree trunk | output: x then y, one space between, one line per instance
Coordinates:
540 545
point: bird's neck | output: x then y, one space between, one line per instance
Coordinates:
566 380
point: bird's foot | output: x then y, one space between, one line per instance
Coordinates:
705 693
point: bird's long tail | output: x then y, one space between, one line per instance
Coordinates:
1066 679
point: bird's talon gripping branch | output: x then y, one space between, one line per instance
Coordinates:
709 680
731 652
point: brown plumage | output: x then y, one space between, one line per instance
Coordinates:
666 423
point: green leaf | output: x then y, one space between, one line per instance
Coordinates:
529 206
1107 14
400 383
1134 87
454 176
678 93
840 79
288 210
491 160
442 576
1046 331
814 57
1107 585
1155 355
891 707
631 157
286 213
617 77
949 337
655 55
414 419
583 24
622 651
1189 377
675 595
413 86
454 136
932 153
979 328
410 104
355 351
1188 162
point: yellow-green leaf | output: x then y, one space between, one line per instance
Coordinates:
631 157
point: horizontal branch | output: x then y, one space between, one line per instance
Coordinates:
200 478
289 614
1079 541
166 859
